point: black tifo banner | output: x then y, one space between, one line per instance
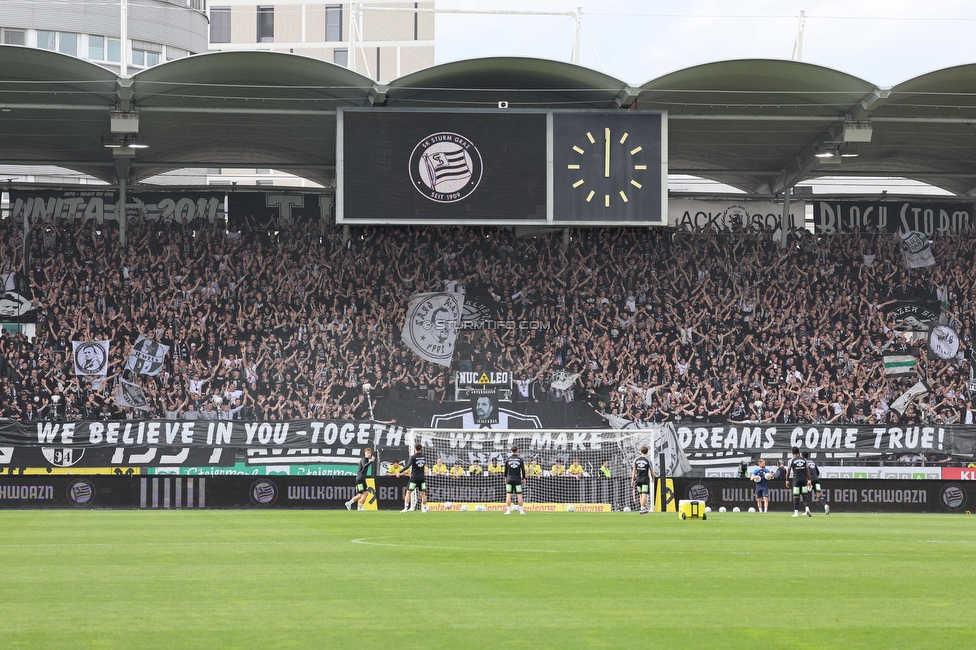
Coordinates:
293 448
335 447
191 492
169 206
283 208
99 206
778 439
891 216
843 495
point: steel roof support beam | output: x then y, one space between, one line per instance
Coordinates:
807 161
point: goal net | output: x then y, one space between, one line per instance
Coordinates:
583 470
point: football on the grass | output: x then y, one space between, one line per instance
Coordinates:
448 505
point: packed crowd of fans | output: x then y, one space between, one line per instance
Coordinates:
282 322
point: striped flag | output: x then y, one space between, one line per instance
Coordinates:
447 166
899 365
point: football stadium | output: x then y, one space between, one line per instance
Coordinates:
311 341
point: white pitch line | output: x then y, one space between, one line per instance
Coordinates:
368 541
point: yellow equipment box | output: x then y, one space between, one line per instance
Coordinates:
691 509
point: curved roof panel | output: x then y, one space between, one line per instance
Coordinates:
251 79
55 110
753 124
925 129
521 81
753 85
272 108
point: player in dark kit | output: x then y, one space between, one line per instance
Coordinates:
815 477
801 482
514 477
362 493
416 466
640 477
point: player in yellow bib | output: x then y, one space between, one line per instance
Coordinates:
575 469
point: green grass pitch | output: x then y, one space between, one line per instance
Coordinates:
314 579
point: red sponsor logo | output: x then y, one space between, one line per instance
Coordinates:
959 473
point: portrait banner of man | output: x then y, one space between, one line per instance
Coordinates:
91 357
484 405
16 307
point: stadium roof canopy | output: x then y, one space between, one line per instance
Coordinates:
757 125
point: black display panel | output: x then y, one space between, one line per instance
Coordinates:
609 167
447 166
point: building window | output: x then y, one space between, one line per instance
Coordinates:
68 44
333 22
220 24
47 40
96 48
114 50
14 37
214 171
262 171
142 56
265 24
174 53
341 57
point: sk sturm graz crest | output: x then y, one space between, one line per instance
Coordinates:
431 326
445 167
81 492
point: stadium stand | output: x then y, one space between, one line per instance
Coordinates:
289 322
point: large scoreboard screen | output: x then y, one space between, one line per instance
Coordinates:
501 167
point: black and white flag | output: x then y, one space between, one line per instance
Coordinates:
943 342
146 357
132 396
918 391
91 357
915 246
431 326
563 379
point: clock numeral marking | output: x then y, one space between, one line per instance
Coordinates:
606 200
635 184
623 196
578 150
623 138
589 197
578 183
640 167
590 137
636 150
606 153
572 166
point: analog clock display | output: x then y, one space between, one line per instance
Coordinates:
607 167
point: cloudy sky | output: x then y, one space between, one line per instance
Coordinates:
881 41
